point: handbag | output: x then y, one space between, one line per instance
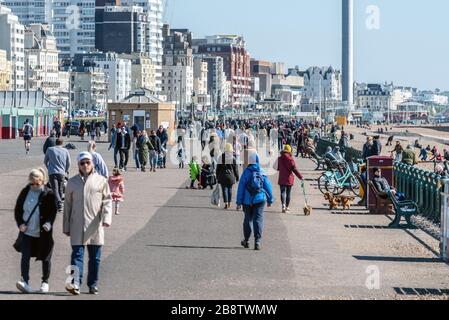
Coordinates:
19 241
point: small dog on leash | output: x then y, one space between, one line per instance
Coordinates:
346 202
307 210
333 201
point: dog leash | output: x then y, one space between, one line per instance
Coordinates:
304 192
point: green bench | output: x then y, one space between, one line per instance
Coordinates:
403 209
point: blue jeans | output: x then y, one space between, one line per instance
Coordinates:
93 266
153 159
227 193
253 215
137 159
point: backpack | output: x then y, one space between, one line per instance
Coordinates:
255 184
27 130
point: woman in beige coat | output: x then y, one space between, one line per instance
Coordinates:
87 211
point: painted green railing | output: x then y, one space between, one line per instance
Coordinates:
421 186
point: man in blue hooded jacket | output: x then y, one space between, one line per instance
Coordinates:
254 203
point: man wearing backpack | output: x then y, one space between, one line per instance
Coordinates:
27 135
254 192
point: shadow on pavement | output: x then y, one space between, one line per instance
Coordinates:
421 291
355 226
399 259
195 247
51 294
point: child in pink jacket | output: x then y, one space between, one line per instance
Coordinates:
117 186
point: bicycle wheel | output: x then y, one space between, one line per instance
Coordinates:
327 184
323 181
354 186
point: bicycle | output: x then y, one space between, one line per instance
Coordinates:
336 182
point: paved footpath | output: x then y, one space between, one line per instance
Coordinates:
170 243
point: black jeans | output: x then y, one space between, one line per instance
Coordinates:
25 262
57 185
286 193
124 157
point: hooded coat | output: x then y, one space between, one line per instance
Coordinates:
244 197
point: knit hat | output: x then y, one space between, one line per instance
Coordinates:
84 156
287 148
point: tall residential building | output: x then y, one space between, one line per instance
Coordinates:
200 76
71 21
5 72
31 11
143 72
122 30
88 88
262 70
12 41
154 9
200 72
236 61
117 70
177 68
74 26
41 60
216 81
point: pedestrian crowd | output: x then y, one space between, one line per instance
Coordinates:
229 164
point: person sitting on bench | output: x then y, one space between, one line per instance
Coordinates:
382 186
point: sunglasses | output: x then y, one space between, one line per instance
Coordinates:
35 184
85 163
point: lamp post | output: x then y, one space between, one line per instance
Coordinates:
16 122
193 105
69 102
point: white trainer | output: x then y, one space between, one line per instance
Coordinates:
45 288
73 289
23 287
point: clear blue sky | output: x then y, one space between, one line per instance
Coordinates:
410 48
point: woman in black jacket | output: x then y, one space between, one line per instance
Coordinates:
227 174
37 205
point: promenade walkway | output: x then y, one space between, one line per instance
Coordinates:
169 243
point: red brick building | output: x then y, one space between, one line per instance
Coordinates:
236 63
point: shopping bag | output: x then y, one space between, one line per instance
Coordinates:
215 198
